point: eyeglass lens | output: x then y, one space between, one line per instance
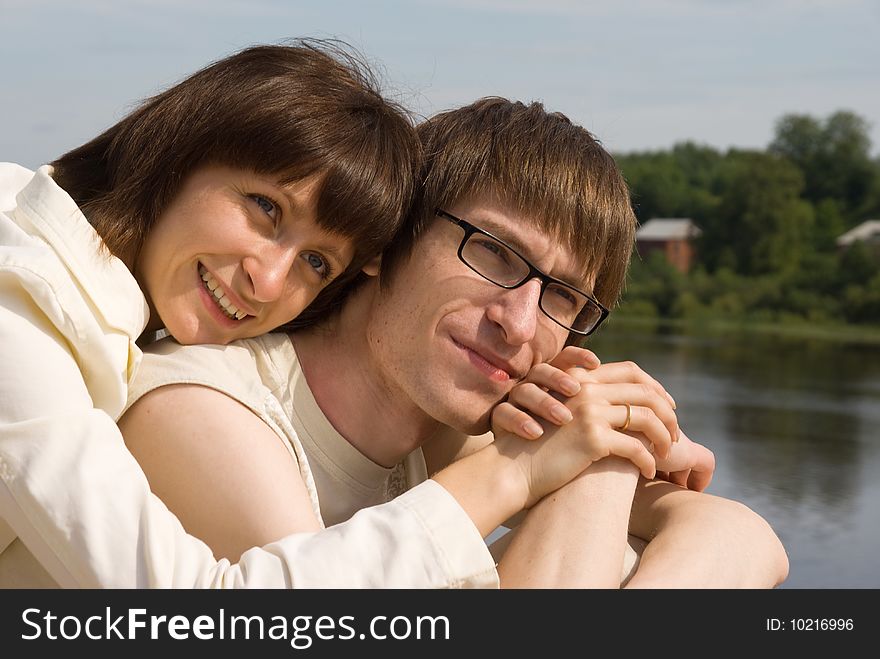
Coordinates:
497 263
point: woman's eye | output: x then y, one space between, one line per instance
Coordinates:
319 264
266 205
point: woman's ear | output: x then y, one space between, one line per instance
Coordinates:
371 269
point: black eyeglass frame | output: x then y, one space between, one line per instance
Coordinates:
545 279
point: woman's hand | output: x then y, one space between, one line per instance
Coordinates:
534 398
621 394
617 391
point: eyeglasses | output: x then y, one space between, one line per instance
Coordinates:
495 260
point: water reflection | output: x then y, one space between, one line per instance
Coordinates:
792 425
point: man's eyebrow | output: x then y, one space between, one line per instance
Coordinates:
571 277
504 233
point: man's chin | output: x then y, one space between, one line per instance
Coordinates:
473 426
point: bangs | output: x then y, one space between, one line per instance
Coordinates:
552 171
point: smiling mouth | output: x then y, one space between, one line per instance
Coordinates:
491 370
223 303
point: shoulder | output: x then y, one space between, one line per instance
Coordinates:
248 371
232 369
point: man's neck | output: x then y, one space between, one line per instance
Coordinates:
364 406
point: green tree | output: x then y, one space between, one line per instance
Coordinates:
834 156
762 221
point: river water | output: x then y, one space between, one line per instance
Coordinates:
793 424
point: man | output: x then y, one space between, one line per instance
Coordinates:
520 241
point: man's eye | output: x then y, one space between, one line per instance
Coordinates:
564 296
494 248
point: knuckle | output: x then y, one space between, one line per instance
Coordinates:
501 410
543 370
531 389
578 373
588 392
593 429
547 407
519 417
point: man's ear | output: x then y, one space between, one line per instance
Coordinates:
371 269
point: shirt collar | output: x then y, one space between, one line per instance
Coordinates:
106 280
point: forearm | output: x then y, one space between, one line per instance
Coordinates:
105 530
486 485
575 537
698 540
82 507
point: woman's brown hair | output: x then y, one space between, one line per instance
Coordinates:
312 106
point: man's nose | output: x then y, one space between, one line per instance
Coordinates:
268 270
516 311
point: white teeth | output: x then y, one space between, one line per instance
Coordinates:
219 296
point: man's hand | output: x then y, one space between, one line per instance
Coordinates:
689 465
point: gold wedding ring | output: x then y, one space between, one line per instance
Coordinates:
628 418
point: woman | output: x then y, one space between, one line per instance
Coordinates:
218 210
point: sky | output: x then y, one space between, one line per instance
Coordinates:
639 74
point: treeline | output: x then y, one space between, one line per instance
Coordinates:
770 220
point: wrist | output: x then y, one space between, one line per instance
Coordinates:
488 485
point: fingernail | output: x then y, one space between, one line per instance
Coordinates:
533 429
677 435
561 414
569 386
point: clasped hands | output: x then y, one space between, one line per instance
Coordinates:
603 409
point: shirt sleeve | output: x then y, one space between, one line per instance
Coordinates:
77 499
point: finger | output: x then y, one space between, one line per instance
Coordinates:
634 395
644 421
699 480
629 447
679 478
641 395
531 399
572 356
507 417
595 398
554 379
627 372
703 467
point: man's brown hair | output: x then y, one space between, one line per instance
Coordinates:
537 162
